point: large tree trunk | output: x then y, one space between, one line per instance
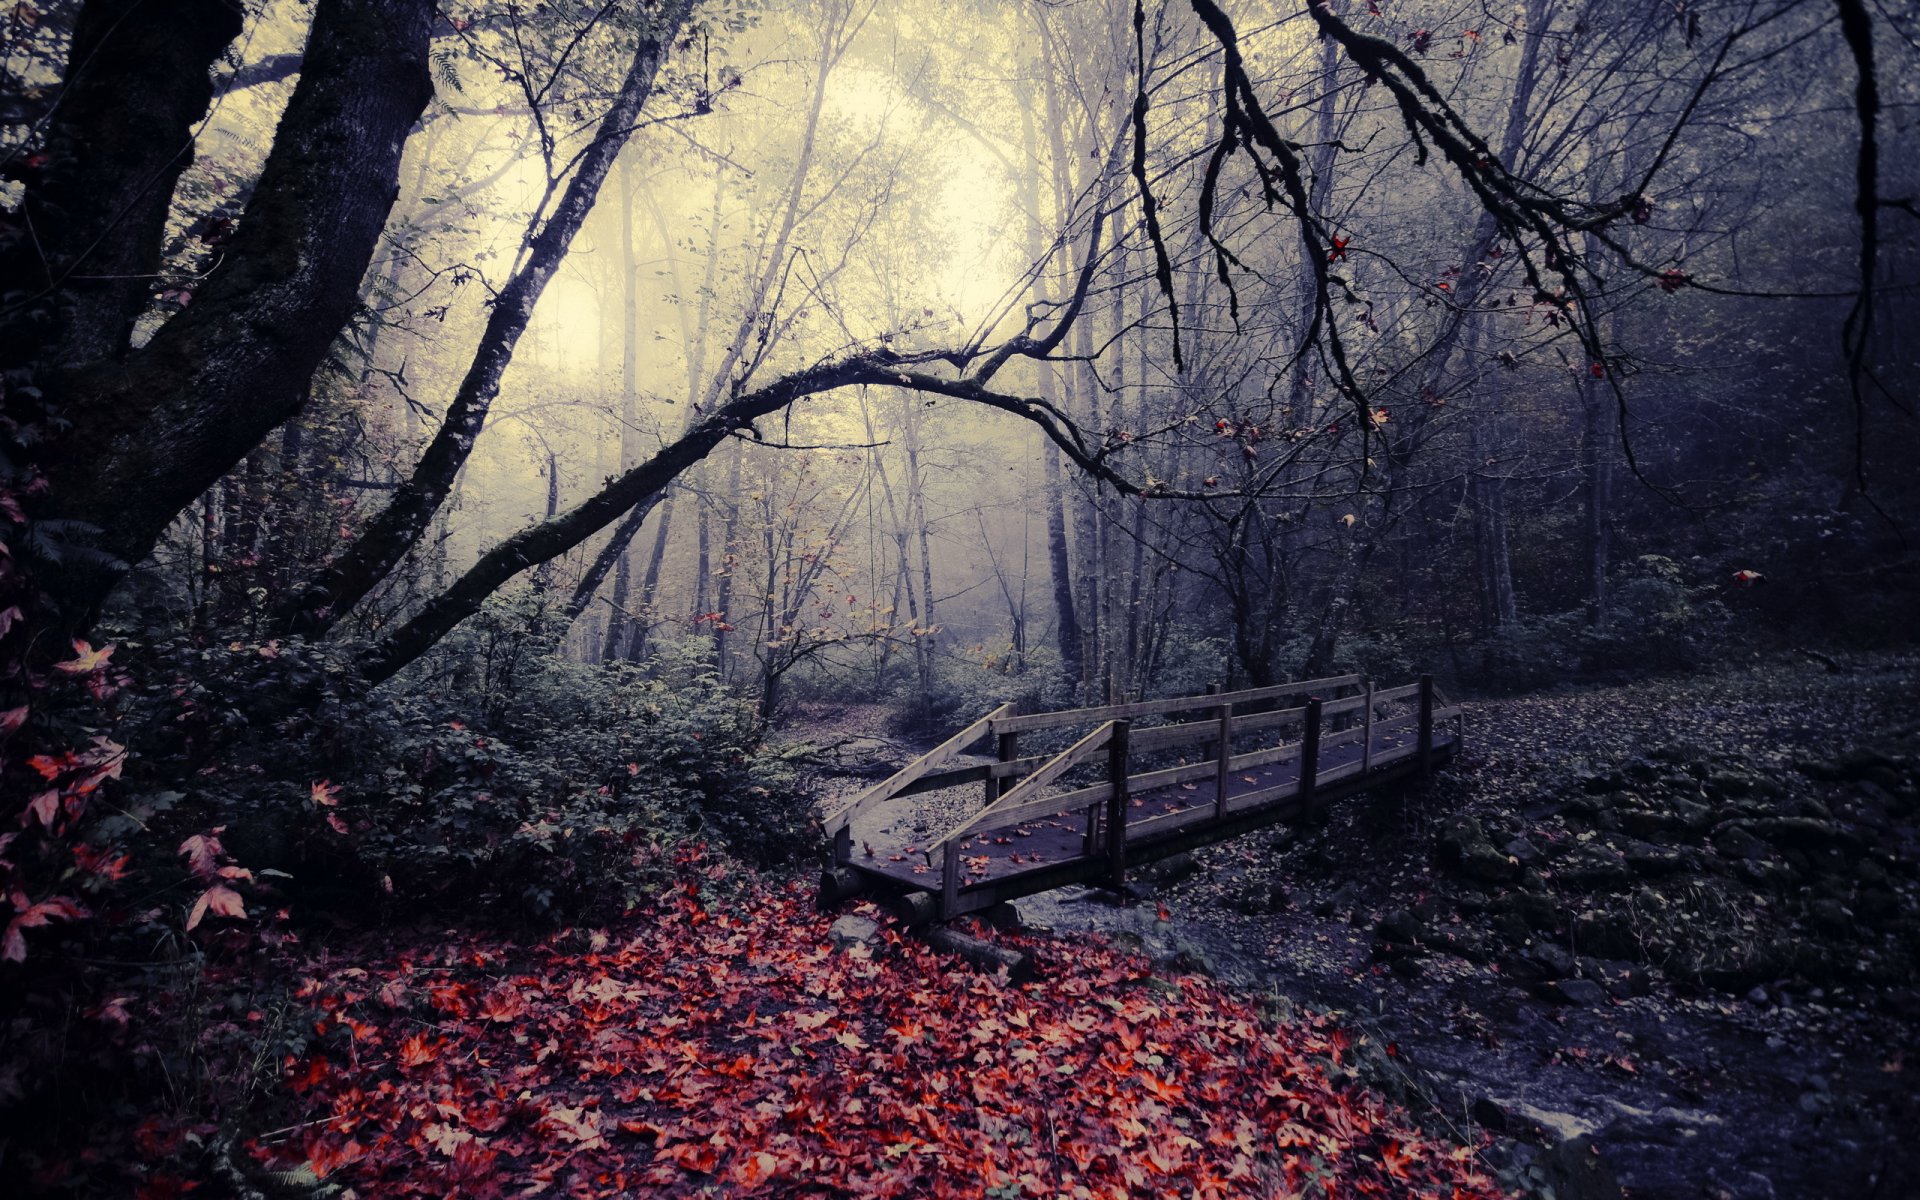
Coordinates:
154 430
619 623
138 78
398 527
1596 494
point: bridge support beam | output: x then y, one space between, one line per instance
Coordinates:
839 883
986 956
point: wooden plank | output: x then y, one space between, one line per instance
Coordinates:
1255 722
1335 774
889 787
1031 786
1346 737
949 880
1153 781
1261 758
1185 830
1161 736
1173 820
1007 750
960 776
1148 708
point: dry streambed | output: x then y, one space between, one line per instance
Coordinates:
1656 940
1659 938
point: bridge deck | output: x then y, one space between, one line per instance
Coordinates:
1052 850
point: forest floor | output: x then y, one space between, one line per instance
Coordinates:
1666 931
1655 940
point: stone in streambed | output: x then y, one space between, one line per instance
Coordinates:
851 930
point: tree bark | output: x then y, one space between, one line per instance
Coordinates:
138 79
154 431
1066 619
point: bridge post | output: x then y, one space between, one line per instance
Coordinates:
1222 753
1117 805
843 846
1310 754
1366 732
1006 748
950 880
1426 726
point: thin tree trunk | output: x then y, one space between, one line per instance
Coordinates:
1083 403
619 623
398 527
1066 620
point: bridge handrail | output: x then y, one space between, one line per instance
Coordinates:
886 788
1029 789
1147 708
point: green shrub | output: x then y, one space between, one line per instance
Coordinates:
1657 621
965 686
548 804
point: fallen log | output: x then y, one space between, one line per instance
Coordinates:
986 956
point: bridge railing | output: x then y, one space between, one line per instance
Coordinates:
1018 790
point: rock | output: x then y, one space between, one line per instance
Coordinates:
1483 863
1759 997
1575 1171
1764 873
1622 980
1877 905
851 930
1173 868
1735 1184
1594 868
1486 1111
1539 912
1407 968
1399 926
1734 841
1458 835
1511 929
1729 784
1802 832
1522 849
1607 933
1817 768
1554 960
1644 822
1002 916
1693 815
1584 992
1654 862
1831 916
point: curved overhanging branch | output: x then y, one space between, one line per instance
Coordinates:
549 539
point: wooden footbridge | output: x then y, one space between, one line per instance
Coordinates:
1145 781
